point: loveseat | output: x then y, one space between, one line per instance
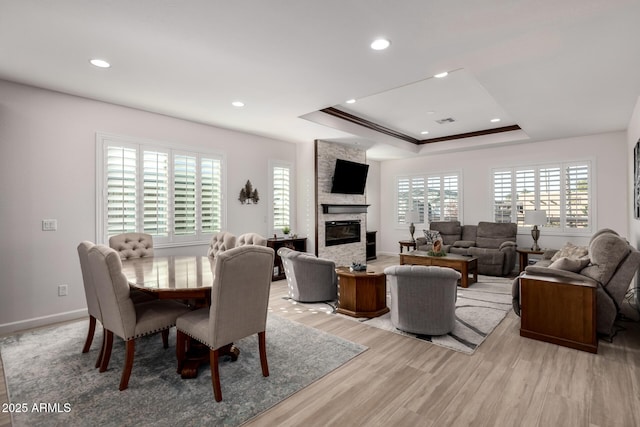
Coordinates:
493 243
609 261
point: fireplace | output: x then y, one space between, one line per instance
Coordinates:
341 232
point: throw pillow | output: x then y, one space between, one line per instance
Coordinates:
431 236
569 250
570 264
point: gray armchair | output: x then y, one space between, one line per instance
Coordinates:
423 299
239 302
309 279
612 264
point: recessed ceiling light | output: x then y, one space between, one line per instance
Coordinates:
441 75
351 101
237 104
380 44
431 112
496 120
101 63
424 132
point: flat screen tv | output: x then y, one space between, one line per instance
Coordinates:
349 177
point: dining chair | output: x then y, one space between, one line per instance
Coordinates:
220 242
93 307
251 239
132 245
120 316
239 301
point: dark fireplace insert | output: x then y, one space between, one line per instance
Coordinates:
341 232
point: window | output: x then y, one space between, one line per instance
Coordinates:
174 195
563 191
281 195
440 192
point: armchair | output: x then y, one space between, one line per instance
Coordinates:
309 279
613 263
423 299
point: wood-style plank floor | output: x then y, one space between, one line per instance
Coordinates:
508 381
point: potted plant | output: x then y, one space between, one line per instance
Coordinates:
286 230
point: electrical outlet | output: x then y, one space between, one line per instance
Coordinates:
49 224
62 290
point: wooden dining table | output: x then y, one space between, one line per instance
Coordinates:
182 277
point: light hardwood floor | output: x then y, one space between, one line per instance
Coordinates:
508 381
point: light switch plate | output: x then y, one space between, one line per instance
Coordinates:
49 224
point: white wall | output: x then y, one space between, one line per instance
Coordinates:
47 170
373 199
633 135
607 151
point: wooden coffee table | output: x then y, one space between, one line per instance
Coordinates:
362 293
464 264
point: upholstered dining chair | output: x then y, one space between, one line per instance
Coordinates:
251 239
132 245
120 316
93 307
423 299
239 301
220 242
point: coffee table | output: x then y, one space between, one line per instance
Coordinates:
464 264
362 293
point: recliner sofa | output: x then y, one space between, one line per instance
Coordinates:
493 243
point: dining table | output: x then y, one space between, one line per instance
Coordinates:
188 278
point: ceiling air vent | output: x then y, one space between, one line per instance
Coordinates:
445 121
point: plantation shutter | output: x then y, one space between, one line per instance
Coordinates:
525 193
155 173
577 196
210 195
121 170
450 197
184 199
281 197
550 194
417 197
502 200
434 197
402 198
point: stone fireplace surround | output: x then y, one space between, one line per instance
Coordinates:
326 154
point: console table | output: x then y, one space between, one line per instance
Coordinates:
559 311
298 244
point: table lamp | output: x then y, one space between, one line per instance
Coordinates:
412 216
535 218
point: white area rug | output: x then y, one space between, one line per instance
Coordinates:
479 309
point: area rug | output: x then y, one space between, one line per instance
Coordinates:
47 367
479 309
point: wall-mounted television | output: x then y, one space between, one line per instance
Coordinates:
349 177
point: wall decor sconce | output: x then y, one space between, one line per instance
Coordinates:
248 194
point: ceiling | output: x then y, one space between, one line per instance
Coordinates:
555 69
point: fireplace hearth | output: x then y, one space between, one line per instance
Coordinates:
341 232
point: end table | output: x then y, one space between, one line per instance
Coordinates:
407 244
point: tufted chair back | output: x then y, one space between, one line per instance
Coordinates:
251 239
220 242
132 245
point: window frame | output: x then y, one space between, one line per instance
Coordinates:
274 163
442 176
563 166
105 140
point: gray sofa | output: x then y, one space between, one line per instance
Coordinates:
493 243
609 261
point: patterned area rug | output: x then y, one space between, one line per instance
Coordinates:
479 309
46 366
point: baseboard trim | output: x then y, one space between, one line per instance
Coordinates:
36 322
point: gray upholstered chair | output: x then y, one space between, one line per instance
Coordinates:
239 302
90 294
220 242
612 264
132 245
309 279
251 239
120 316
423 299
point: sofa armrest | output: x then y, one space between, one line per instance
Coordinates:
463 244
507 246
557 273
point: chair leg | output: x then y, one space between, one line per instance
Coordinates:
90 332
165 338
215 374
262 343
181 344
106 354
128 364
101 353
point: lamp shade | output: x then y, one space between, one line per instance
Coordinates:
535 217
413 216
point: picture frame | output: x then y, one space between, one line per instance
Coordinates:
636 181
